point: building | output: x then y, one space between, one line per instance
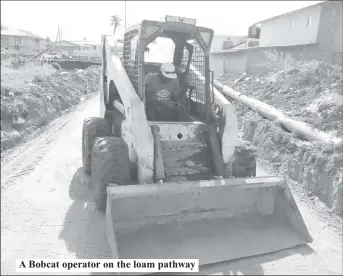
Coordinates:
316 24
224 42
64 47
82 50
68 47
89 47
20 41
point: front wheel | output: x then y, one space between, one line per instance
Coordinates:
92 128
110 164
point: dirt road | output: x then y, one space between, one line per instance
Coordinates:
47 210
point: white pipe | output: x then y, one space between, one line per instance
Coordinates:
302 129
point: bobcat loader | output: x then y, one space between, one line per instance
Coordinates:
187 188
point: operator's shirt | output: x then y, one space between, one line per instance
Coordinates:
155 89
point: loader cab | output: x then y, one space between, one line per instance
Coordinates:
177 41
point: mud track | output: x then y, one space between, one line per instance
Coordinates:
48 210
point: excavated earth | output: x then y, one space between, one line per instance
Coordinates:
47 203
31 105
308 92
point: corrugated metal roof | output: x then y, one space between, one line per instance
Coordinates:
64 43
258 48
30 34
90 43
13 32
292 12
18 32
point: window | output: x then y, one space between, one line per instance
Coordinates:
308 21
227 44
17 40
291 26
161 51
265 30
277 27
94 47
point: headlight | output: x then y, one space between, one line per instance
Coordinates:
190 21
170 18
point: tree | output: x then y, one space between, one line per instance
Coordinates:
115 22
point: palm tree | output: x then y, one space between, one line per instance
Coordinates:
115 22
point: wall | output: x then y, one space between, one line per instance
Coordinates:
330 27
88 47
68 50
217 43
233 62
338 42
277 32
244 60
96 50
27 44
92 49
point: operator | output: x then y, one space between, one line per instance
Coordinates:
163 98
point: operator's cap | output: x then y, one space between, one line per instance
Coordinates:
168 70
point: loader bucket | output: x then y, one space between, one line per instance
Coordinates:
213 220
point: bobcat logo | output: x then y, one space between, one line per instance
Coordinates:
163 94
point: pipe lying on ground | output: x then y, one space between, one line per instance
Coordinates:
303 130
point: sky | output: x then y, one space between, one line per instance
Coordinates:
91 19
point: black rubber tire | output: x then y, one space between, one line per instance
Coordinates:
110 164
93 127
244 164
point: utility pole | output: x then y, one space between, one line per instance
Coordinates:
125 14
59 38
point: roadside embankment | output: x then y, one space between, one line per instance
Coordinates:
29 106
309 92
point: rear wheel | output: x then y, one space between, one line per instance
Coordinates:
110 164
244 164
92 128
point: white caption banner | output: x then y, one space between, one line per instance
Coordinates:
107 265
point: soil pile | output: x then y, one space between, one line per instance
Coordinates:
34 104
310 92
305 91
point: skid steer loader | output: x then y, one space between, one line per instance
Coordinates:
185 188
